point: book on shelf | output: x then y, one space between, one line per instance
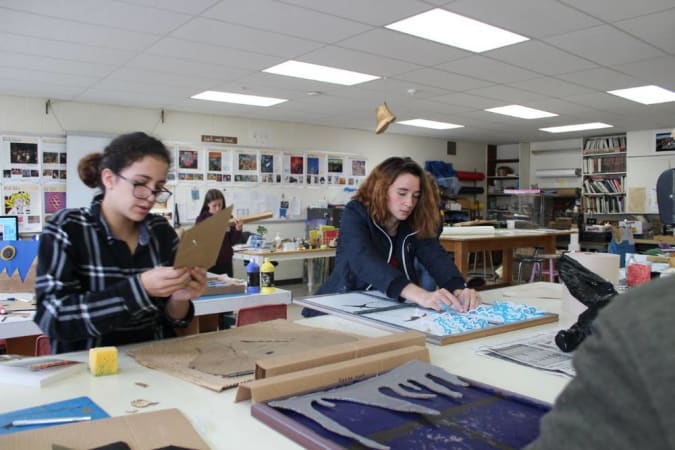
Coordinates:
38 372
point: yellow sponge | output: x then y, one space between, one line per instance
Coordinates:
103 360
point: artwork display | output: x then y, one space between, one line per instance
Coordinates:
416 405
440 327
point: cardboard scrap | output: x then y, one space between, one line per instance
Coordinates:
199 246
329 375
168 427
223 359
278 365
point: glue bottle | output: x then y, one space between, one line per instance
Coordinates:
267 277
252 277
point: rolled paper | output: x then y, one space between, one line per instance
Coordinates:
558 173
459 231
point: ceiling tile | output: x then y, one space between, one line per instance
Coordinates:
543 17
467 100
552 87
606 45
659 71
114 14
619 9
179 66
657 29
540 57
244 38
357 61
508 94
42 63
487 69
373 12
601 78
27 45
442 79
403 46
191 7
63 30
207 53
299 22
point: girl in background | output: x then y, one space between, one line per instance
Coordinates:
214 201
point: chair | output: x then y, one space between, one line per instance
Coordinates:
537 262
254 314
42 346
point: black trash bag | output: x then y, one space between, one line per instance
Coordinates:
590 289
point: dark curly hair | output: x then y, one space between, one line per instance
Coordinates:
122 152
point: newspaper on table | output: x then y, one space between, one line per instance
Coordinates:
537 350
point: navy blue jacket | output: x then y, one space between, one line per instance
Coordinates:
364 250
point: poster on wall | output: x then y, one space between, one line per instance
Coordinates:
316 169
219 166
294 168
19 159
336 170
190 164
357 169
55 198
24 201
246 167
54 160
270 167
665 142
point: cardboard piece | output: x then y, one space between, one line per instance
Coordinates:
280 365
199 246
223 359
140 431
223 285
322 377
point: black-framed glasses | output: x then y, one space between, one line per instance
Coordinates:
142 192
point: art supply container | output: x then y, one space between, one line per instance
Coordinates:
267 277
252 278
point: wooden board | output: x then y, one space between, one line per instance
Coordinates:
375 310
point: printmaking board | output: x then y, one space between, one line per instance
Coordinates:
441 328
223 359
416 405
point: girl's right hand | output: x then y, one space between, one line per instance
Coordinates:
164 281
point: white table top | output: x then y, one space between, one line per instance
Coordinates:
225 424
17 326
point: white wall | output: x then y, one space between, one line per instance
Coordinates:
559 154
644 165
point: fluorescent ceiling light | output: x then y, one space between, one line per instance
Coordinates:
647 95
316 72
452 29
242 99
577 127
423 123
522 112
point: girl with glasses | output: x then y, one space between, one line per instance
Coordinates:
105 274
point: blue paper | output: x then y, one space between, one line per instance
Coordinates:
74 407
26 251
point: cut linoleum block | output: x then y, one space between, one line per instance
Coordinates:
103 361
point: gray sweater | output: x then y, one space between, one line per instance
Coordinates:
623 396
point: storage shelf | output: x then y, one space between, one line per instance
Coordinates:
510 177
507 160
596 194
600 174
601 154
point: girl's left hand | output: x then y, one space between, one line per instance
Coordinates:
238 224
194 288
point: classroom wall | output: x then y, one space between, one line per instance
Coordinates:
643 167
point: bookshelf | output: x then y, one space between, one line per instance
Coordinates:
503 167
604 175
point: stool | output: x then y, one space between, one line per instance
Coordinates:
537 263
552 259
486 259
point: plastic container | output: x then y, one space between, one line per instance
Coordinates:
267 277
252 278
